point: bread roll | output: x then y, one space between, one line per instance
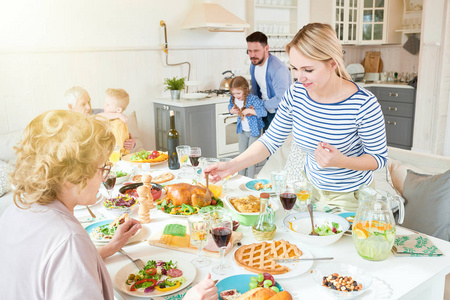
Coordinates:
258 294
281 296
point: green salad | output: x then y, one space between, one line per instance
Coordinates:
326 229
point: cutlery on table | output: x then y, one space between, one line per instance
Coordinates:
137 262
289 260
310 209
134 243
90 212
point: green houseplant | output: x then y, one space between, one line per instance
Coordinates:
175 85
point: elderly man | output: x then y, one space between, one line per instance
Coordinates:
78 100
270 77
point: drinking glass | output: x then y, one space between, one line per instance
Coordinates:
109 184
194 156
303 190
278 180
183 156
199 228
288 197
225 180
217 187
221 231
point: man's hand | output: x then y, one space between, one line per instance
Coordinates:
130 143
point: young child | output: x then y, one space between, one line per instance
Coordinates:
251 110
116 101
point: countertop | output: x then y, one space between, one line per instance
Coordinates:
191 102
183 102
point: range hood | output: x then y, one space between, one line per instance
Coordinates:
214 17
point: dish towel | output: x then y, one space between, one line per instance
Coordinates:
414 245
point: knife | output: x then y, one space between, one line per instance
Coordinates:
289 260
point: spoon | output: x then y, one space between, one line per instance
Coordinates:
310 209
90 211
207 185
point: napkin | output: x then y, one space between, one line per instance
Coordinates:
178 296
414 245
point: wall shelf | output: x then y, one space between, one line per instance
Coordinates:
409 31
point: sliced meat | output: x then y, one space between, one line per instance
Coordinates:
175 273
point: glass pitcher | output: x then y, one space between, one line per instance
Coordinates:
373 228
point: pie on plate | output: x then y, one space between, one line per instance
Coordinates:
259 257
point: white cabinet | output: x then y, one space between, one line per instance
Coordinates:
360 21
278 19
379 20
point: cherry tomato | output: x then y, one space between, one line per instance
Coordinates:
151 156
151 271
155 153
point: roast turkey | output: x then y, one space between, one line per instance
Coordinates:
184 193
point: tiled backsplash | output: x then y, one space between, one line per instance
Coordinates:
394 57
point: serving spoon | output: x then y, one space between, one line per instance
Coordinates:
310 209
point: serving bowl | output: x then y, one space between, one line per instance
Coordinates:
246 219
117 211
122 167
299 226
357 274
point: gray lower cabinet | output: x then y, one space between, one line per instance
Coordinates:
398 106
196 126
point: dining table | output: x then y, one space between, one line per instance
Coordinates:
397 277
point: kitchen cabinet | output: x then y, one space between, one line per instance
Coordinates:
196 126
398 106
362 22
278 19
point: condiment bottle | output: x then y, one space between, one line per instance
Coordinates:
173 141
264 227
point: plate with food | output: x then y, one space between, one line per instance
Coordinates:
162 275
153 157
130 190
349 216
184 199
259 185
101 232
258 258
260 286
100 197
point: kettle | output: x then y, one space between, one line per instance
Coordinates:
225 83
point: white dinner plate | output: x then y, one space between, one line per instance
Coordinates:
100 197
194 96
296 268
142 234
189 273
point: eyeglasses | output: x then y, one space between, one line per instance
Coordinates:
105 171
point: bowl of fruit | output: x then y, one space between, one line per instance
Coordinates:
246 284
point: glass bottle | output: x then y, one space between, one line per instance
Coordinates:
264 227
173 140
115 155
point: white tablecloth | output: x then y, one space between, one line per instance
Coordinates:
393 278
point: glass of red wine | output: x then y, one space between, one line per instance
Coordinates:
194 156
109 184
221 229
288 197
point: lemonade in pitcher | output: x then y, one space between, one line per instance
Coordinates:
373 239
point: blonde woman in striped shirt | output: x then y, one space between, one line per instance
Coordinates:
339 124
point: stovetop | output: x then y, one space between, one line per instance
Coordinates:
216 93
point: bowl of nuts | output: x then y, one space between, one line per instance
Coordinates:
342 281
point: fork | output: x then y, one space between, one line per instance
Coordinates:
137 262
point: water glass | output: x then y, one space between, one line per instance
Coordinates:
183 156
303 190
217 187
199 229
278 181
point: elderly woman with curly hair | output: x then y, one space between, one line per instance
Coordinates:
44 251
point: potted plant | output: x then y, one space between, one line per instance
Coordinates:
175 85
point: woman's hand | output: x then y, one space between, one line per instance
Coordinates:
123 233
219 170
328 156
204 290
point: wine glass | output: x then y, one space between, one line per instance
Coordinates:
194 157
225 180
183 156
288 197
222 229
109 184
199 229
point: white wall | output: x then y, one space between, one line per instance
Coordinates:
48 46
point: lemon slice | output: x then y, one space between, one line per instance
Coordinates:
361 233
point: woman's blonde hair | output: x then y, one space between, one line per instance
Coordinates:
319 42
58 147
240 82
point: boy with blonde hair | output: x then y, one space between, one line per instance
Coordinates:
116 101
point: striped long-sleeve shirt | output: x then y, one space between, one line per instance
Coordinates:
355 126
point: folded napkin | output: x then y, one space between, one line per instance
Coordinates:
414 245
